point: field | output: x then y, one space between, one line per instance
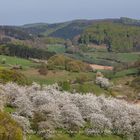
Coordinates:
81 137
12 61
54 76
105 58
67 79
77 137
56 48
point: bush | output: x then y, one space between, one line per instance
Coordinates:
57 61
43 70
65 85
7 125
7 75
73 66
103 82
82 78
66 63
3 61
85 88
136 84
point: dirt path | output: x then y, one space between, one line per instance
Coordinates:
100 67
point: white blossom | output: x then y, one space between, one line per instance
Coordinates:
71 116
23 122
103 82
96 115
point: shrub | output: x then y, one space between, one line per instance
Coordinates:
73 66
65 85
66 63
85 88
103 82
136 84
57 61
82 78
8 125
3 61
43 70
7 75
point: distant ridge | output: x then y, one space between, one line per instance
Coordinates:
70 29
65 30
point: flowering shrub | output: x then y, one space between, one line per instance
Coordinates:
94 115
103 82
23 122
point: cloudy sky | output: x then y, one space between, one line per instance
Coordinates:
18 12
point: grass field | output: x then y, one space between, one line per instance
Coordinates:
9 60
77 137
105 58
9 109
121 74
122 57
30 70
91 87
54 76
33 137
82 137
56 48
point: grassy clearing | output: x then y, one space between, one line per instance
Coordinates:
56 48
121 74
82 137
123 57
128 72
9 109
89 88
128 57
33 137
60 76
106 58
77 137
26 64
54 76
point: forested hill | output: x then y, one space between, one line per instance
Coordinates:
65 30
15 32
116 36
129 21
68 30
120 35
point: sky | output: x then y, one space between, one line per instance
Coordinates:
19 12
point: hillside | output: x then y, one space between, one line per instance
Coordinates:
15 32
121 35
72 28
62 30
116 36
70 100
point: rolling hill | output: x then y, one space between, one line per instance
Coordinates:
120 34
68 30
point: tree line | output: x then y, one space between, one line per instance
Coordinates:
24 51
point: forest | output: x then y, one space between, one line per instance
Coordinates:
117 37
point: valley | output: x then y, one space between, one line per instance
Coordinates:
57 80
